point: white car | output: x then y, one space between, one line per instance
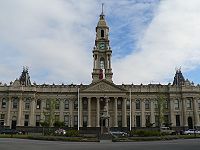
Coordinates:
191 131
118 133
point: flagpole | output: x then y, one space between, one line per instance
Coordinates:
130 110
78 110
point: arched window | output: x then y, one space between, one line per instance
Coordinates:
102 65
102 33
3 104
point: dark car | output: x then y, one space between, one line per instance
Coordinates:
10 131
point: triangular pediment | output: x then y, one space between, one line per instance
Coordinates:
103 86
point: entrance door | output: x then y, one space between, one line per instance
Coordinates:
13 125
190 123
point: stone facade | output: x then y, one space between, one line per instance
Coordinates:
101 103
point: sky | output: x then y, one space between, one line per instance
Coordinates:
55 39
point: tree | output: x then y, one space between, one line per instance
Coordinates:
161 109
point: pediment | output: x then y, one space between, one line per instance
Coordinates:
103 86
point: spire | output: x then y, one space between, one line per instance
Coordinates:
25 78
102 22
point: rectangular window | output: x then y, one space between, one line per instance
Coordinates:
38 105
85 120
26 120
119 119
75 121
102 33
27 105
2 117
119 104
189 103
148 123
75 104
57 117
177 120
137 104
85 104
66 120
138 121
57 104
66 104
37 121
15 103
48 104
3 104
176 104
127 104
147 104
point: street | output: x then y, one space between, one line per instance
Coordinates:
23 144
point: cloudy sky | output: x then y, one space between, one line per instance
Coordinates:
55 38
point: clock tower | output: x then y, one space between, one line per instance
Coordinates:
102 52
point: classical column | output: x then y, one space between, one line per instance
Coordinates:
61 110
172 115
71 114
196 114
98 112
152 112
184 112
19 116
143 113
89 112
107 113
42 109
32 112
124 119
81 112
132 113
115 113
8 112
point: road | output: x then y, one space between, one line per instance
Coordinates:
23 144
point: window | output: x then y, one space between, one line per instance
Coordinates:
66 104
148 123
119 119
57 104
156 104
26 120
189 103
47 104
85 119
102 33
128 121
66 120
3 103
166 105
2 117
75 121
127 104
57 117
138 122
156 121
119 104
85 104
177 120
137 104
166 120
147 104
102 63
15 103
76 104
27 105
37 121
38 104
176 104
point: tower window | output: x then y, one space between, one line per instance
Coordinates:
102 33
102 63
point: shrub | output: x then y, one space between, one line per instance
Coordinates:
72 133
145 133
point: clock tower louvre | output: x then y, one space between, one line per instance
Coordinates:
102 52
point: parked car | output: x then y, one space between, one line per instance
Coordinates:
167 130
118 133
191 131
60 132
10 131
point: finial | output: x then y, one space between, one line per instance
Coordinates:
102 8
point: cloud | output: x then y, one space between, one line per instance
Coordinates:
170 40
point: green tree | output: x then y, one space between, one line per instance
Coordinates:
161 109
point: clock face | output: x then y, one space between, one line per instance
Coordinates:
102 46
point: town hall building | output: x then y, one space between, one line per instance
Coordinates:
101 104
